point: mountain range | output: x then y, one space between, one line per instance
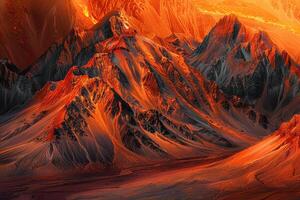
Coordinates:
123 95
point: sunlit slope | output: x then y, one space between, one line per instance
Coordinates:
110 96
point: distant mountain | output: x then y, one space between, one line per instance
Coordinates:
248 65
279 18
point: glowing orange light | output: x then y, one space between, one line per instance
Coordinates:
82 7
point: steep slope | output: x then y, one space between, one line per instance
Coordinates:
111 97
247 65
267 170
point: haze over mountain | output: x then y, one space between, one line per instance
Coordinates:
279 18
28 28
20 29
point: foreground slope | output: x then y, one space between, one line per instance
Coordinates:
267 170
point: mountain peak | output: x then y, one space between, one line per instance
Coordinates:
229 19
230 33
227 32
230 29
5 63
115 22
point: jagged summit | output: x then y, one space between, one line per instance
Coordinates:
248 65
229 29
229 33
229 19
116 22
263 37
228 25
